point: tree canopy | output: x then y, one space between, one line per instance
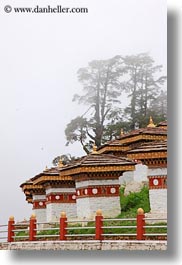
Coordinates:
105 83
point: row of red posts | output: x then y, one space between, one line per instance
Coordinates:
63 226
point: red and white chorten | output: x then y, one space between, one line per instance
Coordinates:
93 181
97 183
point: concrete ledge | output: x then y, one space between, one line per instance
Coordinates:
86 245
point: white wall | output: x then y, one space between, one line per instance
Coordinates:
41 215
60 190
87 183
157 171
87 207
54 211
158 200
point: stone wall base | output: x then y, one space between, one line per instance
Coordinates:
87 245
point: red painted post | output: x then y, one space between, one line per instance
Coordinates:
32 229
63 226
140 224
11 227
98 225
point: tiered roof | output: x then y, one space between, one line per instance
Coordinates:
152 154
146 144
29 188
96 162
134 138
160 146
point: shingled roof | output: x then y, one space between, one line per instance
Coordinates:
162 123
100 160
135 136
95 162
54 171
147 130
150 147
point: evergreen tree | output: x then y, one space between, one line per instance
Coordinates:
101 81
143 85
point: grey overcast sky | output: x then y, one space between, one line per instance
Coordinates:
39 57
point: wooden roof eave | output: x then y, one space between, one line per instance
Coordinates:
44 179
31 187
142 136
112 147
149 150
91 169
147 155
124 142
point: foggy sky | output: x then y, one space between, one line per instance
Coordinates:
39 57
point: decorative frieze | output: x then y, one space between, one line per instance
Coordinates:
146 155
158 182
98 177
98 191
60 198
154 163
148 137
39 201
39 205
115 148
44 178
84 169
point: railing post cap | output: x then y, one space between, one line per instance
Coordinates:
11 218
99 212
140 211
63 214
33 216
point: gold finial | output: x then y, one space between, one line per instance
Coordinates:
99 212
11 218
151 123
140 211
63 214
94 151
30 200
46 168
33 216
60 163
121 132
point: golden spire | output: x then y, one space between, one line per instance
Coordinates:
46 168
121 132
60 163
94 151
151 123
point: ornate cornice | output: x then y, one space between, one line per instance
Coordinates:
116 148
98 169
44 179
144 136
145 155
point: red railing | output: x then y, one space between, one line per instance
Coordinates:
101 228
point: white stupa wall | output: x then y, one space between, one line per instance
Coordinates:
55 205
39 211
87 207
158 200
87 204
54 211
157 171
